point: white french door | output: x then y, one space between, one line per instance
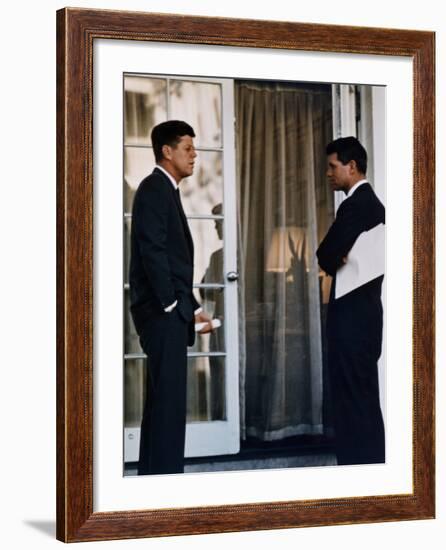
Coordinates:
209 200
213 424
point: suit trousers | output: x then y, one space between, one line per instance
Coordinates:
164 340
358 420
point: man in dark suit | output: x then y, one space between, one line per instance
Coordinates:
162 303
354 320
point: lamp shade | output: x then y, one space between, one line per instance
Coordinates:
285 245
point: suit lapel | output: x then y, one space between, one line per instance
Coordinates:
183 218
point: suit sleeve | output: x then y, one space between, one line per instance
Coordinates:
150 217
340 238
196 305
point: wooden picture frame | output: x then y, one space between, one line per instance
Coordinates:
77 29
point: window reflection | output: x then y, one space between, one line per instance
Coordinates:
145 107
147 102
187 102
206 389
208 250
127 247
132 344
139 162
135 372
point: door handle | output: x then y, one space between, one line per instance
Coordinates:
232 276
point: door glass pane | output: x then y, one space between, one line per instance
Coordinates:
139 162
203 191
198 104
144 107
135 372
131 337
208 250
206 389
127 248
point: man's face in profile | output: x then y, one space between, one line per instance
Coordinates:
182 157
339 175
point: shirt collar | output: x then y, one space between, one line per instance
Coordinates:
171 178
353 189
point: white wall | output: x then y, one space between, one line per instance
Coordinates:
27 400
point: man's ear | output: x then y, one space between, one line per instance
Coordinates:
167 151
353 166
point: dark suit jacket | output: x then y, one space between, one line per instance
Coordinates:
356 318
162 253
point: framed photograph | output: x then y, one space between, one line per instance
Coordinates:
264 103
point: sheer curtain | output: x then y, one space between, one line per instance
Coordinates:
285 208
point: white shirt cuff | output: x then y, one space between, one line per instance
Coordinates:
170 308
197 311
